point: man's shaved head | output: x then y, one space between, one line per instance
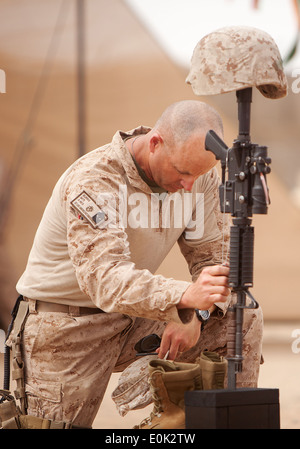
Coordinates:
185 118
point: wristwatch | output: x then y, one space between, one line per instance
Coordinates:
203 316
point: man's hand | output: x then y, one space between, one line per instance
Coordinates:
210 287
179 338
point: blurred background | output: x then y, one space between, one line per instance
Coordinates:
72 72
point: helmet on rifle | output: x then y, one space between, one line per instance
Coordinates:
234 58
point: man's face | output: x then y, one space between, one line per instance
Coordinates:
174 169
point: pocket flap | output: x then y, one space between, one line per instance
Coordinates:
51 391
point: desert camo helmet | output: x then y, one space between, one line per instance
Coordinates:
234 58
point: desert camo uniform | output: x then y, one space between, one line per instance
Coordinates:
103 234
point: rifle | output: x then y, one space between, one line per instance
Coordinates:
242 194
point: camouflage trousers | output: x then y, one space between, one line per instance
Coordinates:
69 360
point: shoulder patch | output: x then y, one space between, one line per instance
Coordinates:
88 209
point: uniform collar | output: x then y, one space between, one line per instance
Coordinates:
125 158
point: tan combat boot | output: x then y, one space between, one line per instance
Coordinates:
168 382
213 370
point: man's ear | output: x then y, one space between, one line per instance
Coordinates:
155 141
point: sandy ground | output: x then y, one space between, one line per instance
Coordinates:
281 370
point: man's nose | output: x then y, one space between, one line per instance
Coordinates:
187 182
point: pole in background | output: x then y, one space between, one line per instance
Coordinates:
81 103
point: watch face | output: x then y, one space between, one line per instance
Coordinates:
204 314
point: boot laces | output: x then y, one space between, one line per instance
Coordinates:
157 405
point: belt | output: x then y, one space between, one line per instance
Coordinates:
43 306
